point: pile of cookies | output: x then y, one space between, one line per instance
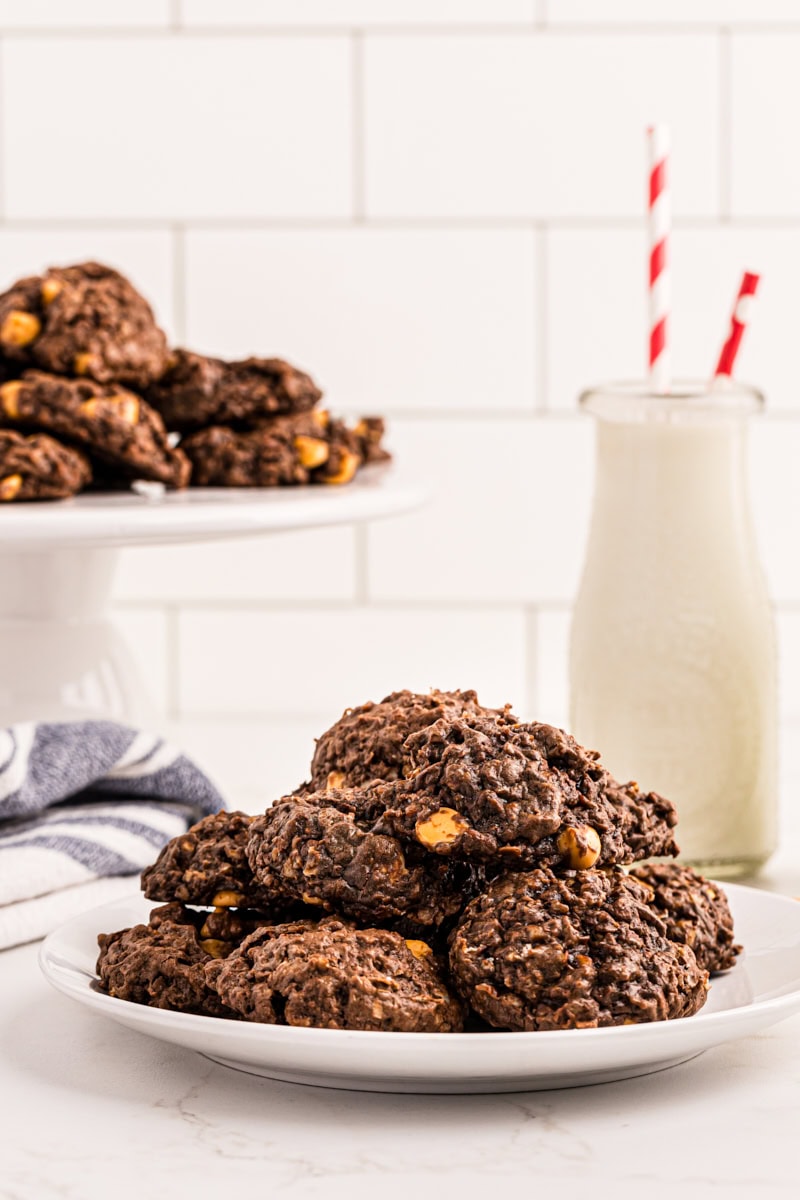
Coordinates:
92 396
447 867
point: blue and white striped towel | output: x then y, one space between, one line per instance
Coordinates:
82 804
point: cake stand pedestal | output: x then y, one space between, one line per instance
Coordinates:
61 657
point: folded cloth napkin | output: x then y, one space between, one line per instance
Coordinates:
82 802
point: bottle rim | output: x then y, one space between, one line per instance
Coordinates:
629 400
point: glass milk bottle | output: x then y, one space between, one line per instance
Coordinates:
672 658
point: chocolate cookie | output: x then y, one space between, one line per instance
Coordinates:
116 427
333 976
537 951
346 453
162 964
370 431
513 795
208 865
646 820
279 452
321 850
83 320
197 391
219 930
366 743
694 911
39 468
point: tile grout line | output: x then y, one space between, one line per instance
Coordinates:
725 125
532 681
542 331
357 100
179 295
361 594
189 605
172 613
788 721
358 127
172 608
474 224
526 414
534 25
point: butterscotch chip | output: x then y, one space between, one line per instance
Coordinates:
227 899
419 949
694 911
123 405
312 452
82 364
85 319
50 289
19 329
580 846
9 398
215 948
443 826
540 951
333 976
39 468
116 428
10 487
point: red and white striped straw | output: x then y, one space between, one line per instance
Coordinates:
739 319
659 228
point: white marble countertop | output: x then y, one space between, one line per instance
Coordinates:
92 1111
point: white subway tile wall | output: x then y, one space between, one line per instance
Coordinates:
435 206
164 127
533 124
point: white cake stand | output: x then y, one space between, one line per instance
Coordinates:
61 657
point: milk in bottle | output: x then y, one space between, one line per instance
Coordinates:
672 661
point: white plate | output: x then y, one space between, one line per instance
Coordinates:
196 514
763 988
